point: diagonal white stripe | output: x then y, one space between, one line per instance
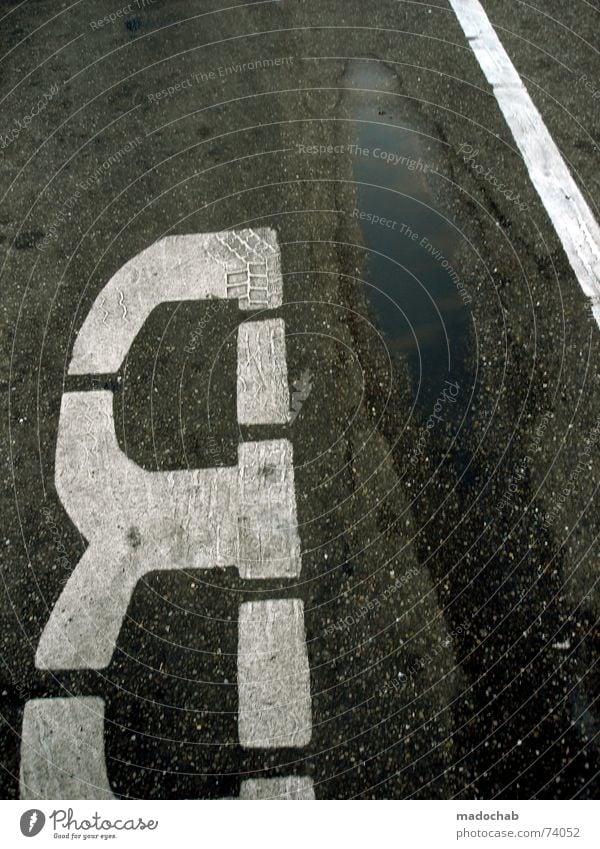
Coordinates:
572 218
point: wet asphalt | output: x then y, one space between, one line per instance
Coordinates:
474 674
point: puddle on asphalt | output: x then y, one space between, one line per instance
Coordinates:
412 270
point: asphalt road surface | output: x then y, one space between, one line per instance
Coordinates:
300 352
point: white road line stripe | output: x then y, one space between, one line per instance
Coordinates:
243 264
273 675
137 521
291 787
62 749
572 218
263 395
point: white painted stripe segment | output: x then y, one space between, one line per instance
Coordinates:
572 218
263 395
62 749
236 264
299 787
268 541
273 675
137 521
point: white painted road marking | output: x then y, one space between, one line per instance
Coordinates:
273 675
268 545
138 521
572 218
62 749
291 787
62 756
263 395
241 264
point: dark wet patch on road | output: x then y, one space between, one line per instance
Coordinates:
415 287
